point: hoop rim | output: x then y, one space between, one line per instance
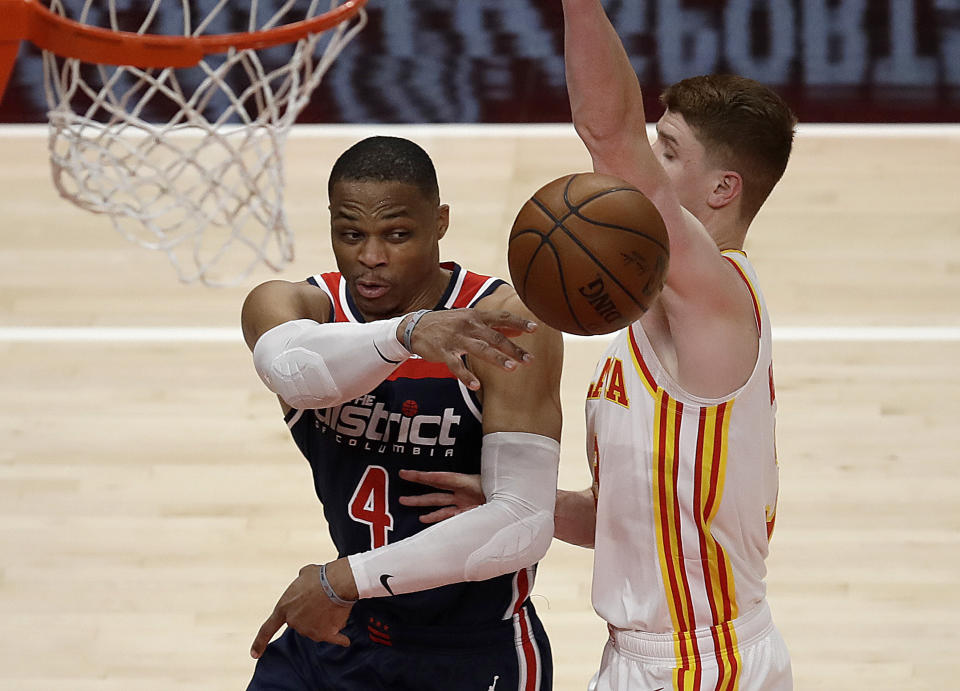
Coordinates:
28 20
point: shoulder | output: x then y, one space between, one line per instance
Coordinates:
305 296
504 297
468 287
275 302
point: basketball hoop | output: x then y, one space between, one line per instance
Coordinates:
180 138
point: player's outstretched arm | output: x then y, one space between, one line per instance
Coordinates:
309 363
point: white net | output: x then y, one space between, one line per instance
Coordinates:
189 161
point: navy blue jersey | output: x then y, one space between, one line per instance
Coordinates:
420 418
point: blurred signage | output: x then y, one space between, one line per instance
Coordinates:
502 60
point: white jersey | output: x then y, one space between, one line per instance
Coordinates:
686 491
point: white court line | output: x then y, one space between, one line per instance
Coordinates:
812 130
190 334
119 334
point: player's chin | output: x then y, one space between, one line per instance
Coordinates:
383 307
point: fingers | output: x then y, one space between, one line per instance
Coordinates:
340 639
460 371
493 346
441 514
448 335
433 499
508 322
266 632
498 350
434 478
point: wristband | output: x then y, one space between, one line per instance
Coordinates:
408 331
328 589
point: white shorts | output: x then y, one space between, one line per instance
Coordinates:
638 661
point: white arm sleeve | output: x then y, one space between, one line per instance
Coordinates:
511 531
312 365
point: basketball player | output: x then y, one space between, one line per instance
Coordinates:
396 361
680 412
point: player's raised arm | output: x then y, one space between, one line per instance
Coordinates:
605 98
606 101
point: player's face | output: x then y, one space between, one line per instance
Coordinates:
684 158
386 240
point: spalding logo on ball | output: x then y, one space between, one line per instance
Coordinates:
588 253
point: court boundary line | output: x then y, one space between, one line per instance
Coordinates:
197 334
814 130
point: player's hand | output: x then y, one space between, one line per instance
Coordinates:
447 335
461 493
306 609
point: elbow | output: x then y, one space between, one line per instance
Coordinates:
599 140
306 402
543 538
297 375
609 130
520 543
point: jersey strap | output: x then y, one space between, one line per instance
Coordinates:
738 260
465 289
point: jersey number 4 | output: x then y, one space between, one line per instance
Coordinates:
369 504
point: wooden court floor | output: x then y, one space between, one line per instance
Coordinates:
153 506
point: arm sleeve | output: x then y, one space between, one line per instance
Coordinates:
511 531
313 365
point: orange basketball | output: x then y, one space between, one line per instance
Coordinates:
588 253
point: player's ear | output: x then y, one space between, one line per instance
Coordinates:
729 186
443 220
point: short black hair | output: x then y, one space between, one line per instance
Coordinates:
387 159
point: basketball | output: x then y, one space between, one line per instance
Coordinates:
588 253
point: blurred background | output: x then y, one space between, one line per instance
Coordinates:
153 505
488 61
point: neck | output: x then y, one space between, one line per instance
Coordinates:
433 290
729 233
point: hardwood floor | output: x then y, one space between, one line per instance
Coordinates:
153 505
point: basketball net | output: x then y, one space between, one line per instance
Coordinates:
188 160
